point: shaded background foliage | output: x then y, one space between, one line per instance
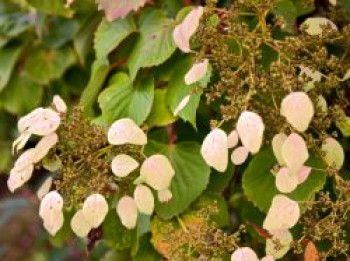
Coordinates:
47 49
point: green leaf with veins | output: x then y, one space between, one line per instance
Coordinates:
45 65
110 34
191 175
124 98
259 183
8 58
155 44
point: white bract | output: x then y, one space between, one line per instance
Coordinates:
123 165
27 158
184 31
277 143
144 199
239 155
294 152
244 254
80 225
20 142
164 195
127 211
51 212
232 139
44 145
126 131
47 122
157 172
298 109
44 188
268 258
315 25
197 72
279 244
58 102
333 153
250 128
183 103
18 177
284 213
303 174
215 150
95 209
286 182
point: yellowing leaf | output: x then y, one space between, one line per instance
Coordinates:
183 32
334 153
214 150
298 110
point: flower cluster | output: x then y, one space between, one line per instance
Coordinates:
249 129
79 160
156 172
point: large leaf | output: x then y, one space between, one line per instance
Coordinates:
99 72
155 44
44 65
116 235
119 8
21 95
8 58
191 175
178 89
56 7
110 34
288 11
125 99
259 183
160 114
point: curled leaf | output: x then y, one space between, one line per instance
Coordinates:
197 72
250 128
127 211
123 165
183 32
214 150
298 110
126 131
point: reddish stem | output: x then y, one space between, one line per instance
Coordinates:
118 63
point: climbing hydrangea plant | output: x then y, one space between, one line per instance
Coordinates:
183 130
